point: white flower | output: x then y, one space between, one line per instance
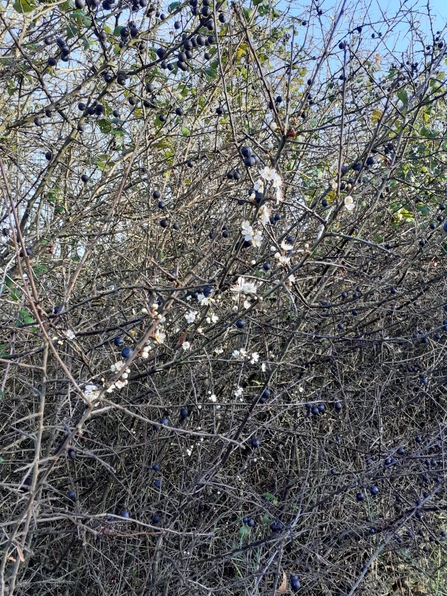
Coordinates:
282 260
91 392
254 358
286 246
120 384
186 345
247 231
258 186
263 367
218 351
291 278
349 203
239 391
239 354
247 304
204 300
189 450
279 195
257 239
212 319
159 336
244 287
212 398
277 181
268 174
117 366
69 334
111 388
191 316
264 214
273 125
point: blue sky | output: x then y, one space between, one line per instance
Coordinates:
369 14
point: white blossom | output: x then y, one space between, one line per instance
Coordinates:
268 174
212 398
69 334
277 181
349 203
257 239
282 260
258 186
254 358
244 287
191 316
239 354
91 392
286 246
247 231
117 366
212 319
186 345
121 383
279 194
264 214
204 300
239 391
159 336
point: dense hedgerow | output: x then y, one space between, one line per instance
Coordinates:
224 308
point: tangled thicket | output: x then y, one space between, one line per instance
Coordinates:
223 300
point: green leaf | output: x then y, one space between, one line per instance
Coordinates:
244 531
72 31
423 209
15 294
105 126
185 131
24 6
402 95
247 13
117 30
38 269
173 6
211 72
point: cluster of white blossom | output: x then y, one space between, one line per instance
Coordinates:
271 175
242 354
249 234
91 392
